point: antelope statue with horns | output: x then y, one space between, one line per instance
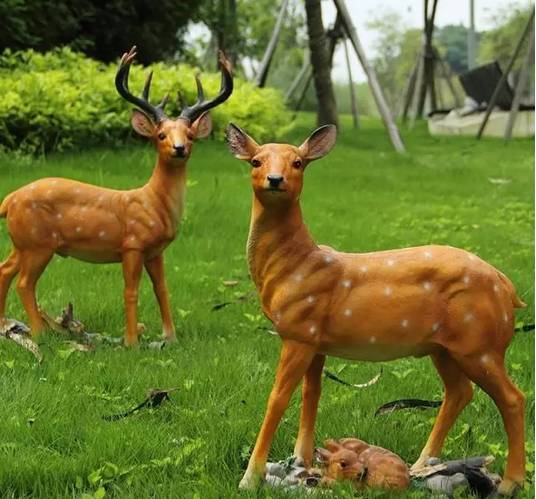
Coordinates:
100 225
430 300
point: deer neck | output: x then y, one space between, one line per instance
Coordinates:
278 240
168 183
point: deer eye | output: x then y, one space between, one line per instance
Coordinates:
161 135
297 163
343 464
255 163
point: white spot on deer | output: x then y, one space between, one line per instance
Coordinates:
277 317
152 223
77 190
496 288
298 277
328 259
312 329
83 209
427 254
404 323
100 199
102 234
311 299
390 262
363 269
505 317
54 235
59 216
346 283
472 257
427 285
34 205
53 182
372 339
347 312
435 327
131 222
146 205
78 230
485 358
468 317
466 279
388 291
132 238
32 187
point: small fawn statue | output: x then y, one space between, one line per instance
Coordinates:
99 225
431 300
363 464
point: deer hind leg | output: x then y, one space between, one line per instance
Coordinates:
458 393
132 267
487 371
294 361
32 265
8 270
312 385
155 269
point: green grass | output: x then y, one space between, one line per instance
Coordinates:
363 197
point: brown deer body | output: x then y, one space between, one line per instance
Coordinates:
99 225
433 300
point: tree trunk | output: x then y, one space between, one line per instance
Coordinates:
320 60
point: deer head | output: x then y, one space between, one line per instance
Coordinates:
173 138
277 169
340 463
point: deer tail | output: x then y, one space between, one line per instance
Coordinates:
516 301
4 206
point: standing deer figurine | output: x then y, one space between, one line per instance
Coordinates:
99 225
430 300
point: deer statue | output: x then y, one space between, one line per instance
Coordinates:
99 225
363 464
430 300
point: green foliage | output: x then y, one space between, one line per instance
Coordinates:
499 43
453 37
62 100
99 29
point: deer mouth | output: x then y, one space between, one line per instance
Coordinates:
275 189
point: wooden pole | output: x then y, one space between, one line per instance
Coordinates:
471 39
428 83
351 87
272 45
447 75
377 93
306 67
418 85
520 86
409 91
502 81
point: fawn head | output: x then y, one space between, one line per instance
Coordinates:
277 169
173 138
340 463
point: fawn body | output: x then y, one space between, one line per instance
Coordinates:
432 300
100 225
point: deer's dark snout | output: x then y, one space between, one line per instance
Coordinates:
179 150
274 180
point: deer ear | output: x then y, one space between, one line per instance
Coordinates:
202 126
142 124
323 455
319 143
240 143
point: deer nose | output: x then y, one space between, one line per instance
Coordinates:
179 149
274 179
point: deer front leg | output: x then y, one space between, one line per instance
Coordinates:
155 269
294 361
312 385
132 267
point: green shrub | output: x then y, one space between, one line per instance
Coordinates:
63 100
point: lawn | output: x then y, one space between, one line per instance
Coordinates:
362 197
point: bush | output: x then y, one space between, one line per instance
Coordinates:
62 100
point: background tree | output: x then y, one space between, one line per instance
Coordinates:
101 29
453 39
320 61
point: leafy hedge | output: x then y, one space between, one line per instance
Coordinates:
62 100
